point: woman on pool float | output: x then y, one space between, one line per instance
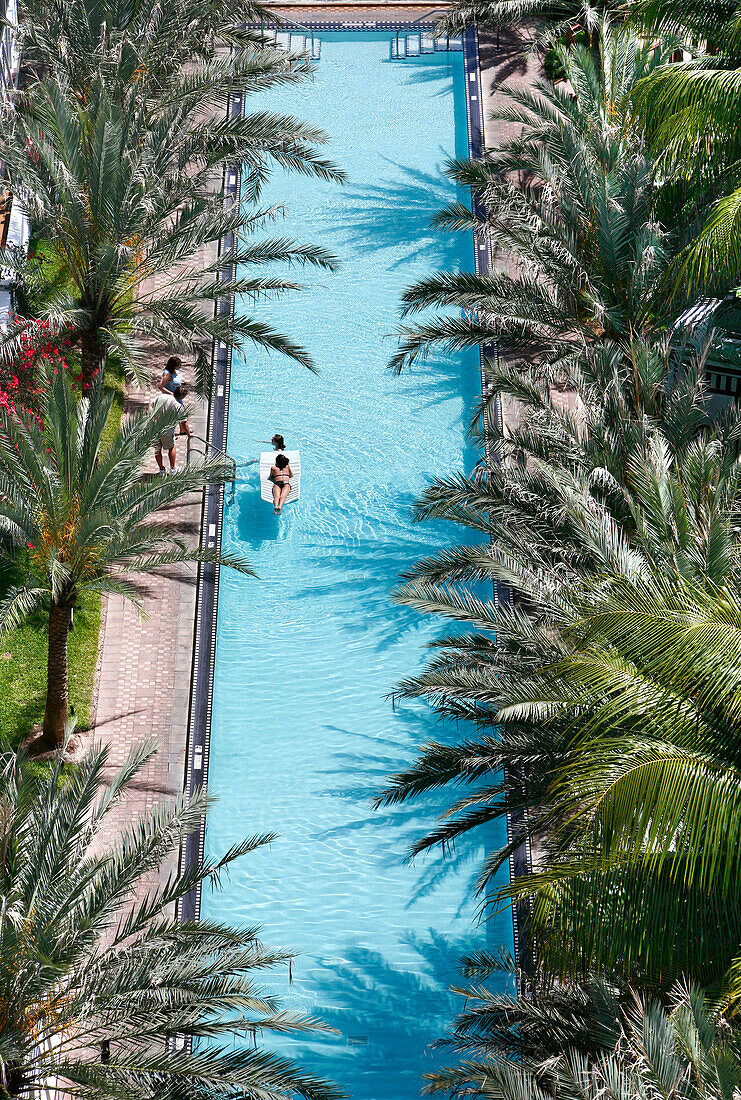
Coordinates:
280 475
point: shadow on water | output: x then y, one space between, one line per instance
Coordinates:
430 73
441 377
358 776
388 1016
431 68
256 522
359 578
397 214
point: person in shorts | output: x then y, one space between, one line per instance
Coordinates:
170 402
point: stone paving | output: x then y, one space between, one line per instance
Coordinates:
144 661
508 58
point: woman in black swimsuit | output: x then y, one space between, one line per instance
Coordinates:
280 475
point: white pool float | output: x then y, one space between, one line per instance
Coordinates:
267 461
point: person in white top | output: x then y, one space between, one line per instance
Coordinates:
172 402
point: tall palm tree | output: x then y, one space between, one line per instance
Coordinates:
624 494
549 19
569 492
571 205
634 1048
535 1027
105 994
76 515
628 758
125 195
642 876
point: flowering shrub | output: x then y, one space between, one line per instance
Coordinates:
20 382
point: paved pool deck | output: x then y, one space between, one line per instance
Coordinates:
144 660
144 663
508 57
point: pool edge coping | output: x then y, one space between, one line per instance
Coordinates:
198 735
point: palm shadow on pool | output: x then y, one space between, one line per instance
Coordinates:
387 1016
389 1013
357 578
397 213
356 777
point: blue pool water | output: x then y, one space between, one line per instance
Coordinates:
303 730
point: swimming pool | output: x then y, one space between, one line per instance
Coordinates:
303 732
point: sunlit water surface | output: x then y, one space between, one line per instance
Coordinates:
303 729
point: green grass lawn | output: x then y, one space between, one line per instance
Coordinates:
23 670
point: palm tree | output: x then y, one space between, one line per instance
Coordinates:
571 204
105 993
678 1052
642 872
548 18
618 713
636 490
569 492
125 195
147 41
691 109
76 516
534 1027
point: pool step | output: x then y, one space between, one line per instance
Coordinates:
294 42
413 45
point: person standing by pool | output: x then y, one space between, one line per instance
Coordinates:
280 475
165 402
172 376
180 393
170 379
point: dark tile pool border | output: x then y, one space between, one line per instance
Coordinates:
207 596
204 651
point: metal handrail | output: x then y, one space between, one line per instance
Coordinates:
218 450
208 446
291 23
414 22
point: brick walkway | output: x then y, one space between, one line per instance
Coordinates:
144 663
509 61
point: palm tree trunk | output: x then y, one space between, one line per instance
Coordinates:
91 356
55 714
